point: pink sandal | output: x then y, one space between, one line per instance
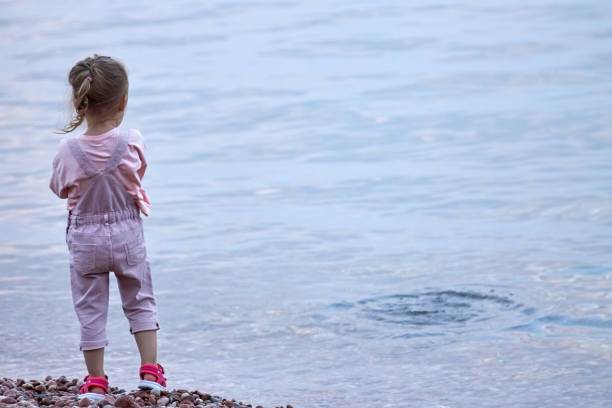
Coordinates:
93 382
158 372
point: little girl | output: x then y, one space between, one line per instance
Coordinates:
99 172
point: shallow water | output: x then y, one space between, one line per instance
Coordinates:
380 204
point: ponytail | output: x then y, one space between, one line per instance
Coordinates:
81 103
99 84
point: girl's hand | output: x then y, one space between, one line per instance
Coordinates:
143 202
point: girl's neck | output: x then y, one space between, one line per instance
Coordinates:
95 128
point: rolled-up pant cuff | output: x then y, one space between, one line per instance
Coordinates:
93 344
142 325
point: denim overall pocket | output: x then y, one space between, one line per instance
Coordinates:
136 252
83 257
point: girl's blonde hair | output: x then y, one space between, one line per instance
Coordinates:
98 85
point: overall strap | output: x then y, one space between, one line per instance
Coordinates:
117 155
81 158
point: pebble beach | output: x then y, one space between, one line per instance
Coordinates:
62 392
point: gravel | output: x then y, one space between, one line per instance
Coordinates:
62 392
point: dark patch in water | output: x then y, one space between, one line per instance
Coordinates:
564 320
433 308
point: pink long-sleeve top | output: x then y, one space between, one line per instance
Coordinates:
69 180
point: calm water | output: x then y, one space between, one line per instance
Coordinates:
360 204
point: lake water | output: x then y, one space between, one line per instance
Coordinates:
356 204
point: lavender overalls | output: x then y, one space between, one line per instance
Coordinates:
104 234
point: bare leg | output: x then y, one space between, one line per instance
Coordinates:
147 346
94 360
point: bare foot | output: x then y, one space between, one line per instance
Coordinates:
149 377
97 390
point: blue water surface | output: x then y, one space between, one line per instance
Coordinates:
357 204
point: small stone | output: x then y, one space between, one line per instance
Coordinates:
110 399
27 386
163 401
185 395
52 388
73 388
184 406
125 401
103 403
40 388
8 400
205 397
156 392
48 378
84 402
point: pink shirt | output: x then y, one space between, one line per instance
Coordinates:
69 180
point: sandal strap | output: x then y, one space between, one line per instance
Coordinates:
156 371
93 382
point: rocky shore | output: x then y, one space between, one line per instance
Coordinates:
62 392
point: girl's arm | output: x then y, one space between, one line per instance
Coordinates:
59 183
137 147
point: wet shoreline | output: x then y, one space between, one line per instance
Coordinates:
62 392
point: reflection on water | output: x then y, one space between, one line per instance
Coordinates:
355 204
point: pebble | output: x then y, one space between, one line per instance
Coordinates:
110 398
125 401
8 400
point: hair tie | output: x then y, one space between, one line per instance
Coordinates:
90 79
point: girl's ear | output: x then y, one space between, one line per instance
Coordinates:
123 103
